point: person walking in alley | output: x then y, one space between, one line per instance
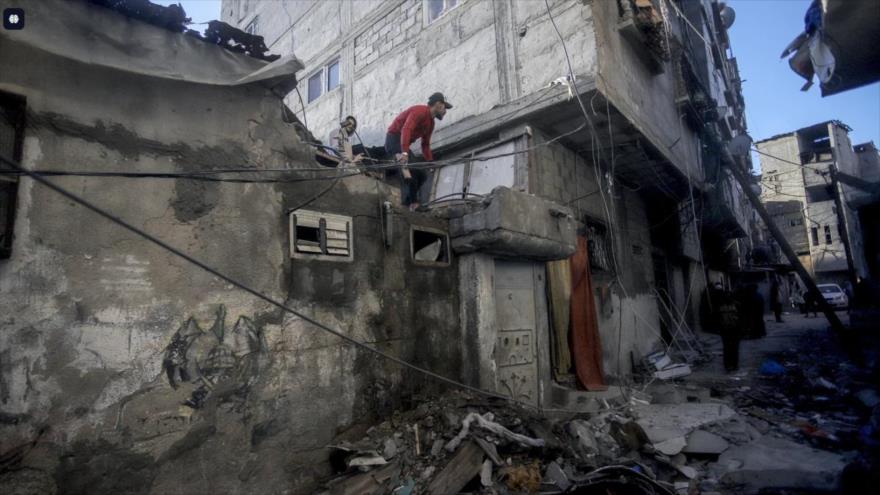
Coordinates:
416 122
727 316
751 305
776 300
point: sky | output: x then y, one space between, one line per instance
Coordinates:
197 10
774 102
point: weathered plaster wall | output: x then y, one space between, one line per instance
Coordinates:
480 54
646 99
140 373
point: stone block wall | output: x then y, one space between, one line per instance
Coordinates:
394 29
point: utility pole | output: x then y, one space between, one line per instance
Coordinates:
843 228
740 177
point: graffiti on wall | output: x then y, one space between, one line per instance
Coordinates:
215 359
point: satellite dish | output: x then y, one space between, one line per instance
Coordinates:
740 145
728 15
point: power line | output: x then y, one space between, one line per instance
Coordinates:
244 287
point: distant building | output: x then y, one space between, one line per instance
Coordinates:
868 205
796 188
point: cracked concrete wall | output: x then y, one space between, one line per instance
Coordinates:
140 373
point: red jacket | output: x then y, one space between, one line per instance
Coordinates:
414 123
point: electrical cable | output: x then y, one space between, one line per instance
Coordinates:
302 106
204 175
259 295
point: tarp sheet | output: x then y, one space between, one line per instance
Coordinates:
98 36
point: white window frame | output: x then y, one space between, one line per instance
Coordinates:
324 72
328 218
320 74
327 87
446 10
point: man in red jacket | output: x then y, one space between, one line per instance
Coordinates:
416 122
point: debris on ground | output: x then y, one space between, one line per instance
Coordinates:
794 422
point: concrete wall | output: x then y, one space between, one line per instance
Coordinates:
479 54
784 182
96 319
645 98
627 308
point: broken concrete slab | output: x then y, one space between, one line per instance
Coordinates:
673 371
774 463
557 476
512 223
671 446
664 421
702 442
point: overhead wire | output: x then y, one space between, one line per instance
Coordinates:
260 295
596 154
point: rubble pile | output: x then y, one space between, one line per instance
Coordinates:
459 443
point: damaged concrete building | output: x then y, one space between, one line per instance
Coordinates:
574 240
642 180
797 188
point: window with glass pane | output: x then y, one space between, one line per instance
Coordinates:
252 27
314 87
436 8
333 75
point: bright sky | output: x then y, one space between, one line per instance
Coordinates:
197 10
774 102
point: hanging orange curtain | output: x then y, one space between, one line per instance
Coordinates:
586 347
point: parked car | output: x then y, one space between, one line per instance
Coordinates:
834 295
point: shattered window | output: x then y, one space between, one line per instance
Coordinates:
333 75
429 246
320 235
828 235
314 87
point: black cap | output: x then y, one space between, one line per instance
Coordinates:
438 97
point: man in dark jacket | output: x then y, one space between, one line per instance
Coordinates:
416 122
727 312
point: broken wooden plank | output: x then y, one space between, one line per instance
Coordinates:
464 466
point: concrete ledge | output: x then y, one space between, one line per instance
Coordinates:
510 223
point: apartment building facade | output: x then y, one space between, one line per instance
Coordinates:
796 186
641 171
